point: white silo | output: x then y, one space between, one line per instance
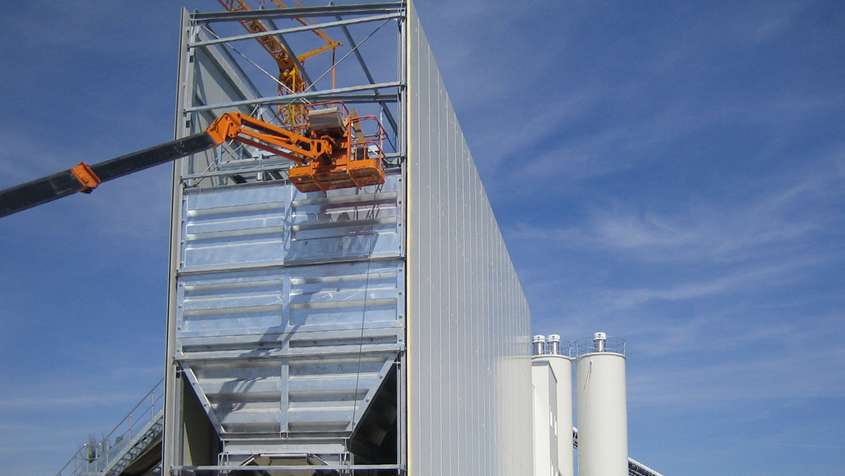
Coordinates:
545 424
561 363
555 398
601 408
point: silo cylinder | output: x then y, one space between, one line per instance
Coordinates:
602 416
562 367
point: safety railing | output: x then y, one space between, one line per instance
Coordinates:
97 455
612 345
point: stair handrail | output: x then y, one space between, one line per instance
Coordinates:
111 446
88 462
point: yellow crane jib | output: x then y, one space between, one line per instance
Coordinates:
290 77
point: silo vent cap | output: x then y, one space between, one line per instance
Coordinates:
600 343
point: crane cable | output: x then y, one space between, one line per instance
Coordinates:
374 211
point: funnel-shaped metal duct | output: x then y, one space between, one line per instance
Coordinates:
287 325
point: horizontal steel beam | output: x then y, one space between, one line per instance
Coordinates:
353 9
294 336
203 270
269 165
339 94
302 468
368 74
347 98
297 29
299 353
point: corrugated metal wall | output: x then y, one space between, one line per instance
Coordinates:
289 312
286 309
469 321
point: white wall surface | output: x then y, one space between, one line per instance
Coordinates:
469 383
562 368
546 424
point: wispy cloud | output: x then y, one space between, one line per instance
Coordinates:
692 308
67 401
26 157
769 377
705 229
775 21
785 363
612 148
738 281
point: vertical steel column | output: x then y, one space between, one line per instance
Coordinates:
172 432
406 455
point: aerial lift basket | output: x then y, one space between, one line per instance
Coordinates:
357 161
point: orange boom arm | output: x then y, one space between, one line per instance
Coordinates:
342 157
271 138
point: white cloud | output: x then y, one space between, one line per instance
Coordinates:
737 281
26 157
770 373
66 401
707 230
628 310
775 20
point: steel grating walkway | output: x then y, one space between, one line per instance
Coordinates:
143 442
635 468
137 434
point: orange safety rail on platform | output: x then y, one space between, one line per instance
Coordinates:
358 163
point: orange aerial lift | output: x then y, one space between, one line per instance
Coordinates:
328 145
334 153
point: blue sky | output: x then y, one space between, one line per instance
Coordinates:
672 174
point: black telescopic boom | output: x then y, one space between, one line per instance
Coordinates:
62 184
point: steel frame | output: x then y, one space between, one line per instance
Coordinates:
338 94
188 111
291 468
303 12
284 31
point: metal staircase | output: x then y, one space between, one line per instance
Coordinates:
146 439
137 434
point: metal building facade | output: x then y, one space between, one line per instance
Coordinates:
289 311
469 322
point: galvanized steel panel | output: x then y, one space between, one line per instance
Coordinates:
274 223
469 321
331 296
290 349
290 307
